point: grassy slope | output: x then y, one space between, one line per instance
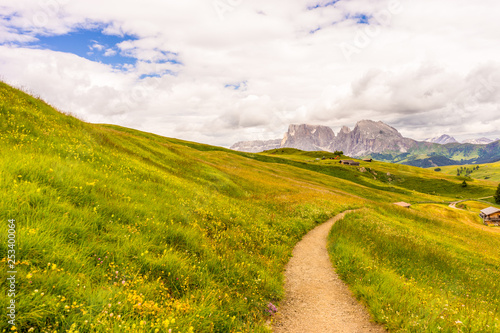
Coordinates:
421 270
120 230
394 180
427 269
489 171
428 154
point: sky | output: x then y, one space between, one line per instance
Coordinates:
222 71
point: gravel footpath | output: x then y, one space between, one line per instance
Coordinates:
316 300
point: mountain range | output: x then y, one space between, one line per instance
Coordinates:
382 142
445 139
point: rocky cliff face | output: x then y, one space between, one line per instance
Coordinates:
308 137
367 137
370 137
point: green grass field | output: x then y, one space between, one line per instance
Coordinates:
486 171
421 270
119 230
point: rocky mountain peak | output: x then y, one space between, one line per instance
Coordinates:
372 129
367 137
345 130
442 140
381 141
308 137
370 137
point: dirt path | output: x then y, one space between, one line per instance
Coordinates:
316 300
455 203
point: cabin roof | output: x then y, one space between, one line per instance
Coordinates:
403 204
349 162
490 210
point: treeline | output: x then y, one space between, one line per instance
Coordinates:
466 170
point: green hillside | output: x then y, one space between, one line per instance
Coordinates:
490 171
119 230
426 155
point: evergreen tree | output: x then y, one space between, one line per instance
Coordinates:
464 184
497 195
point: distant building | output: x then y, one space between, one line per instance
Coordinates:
367 160
403 204
490 215
349 162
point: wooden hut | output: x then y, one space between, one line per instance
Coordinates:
490 216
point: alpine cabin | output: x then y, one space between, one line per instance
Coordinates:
490 216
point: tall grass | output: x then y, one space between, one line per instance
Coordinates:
123 231
420 271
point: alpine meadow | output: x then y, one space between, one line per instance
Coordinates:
119 230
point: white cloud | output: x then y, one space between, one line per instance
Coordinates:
429 67
96 46
110 53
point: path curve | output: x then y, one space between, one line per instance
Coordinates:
454 204
316 300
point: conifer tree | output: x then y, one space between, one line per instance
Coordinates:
497 195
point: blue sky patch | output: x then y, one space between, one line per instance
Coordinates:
237 86
96 46
157 75
90 44
144 76
322 5
361 18
165 57
312 32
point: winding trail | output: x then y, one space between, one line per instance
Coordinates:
316 300
455 203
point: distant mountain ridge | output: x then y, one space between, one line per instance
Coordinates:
256 146
442 140
367 137
380 141
445 139
481 141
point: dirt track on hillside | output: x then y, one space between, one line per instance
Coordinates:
316 300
